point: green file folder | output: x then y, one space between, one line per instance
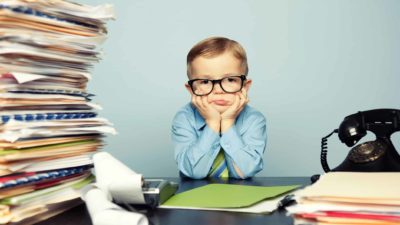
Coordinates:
226 195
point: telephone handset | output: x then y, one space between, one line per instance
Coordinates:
372 156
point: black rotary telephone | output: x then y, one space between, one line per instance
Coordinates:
372 156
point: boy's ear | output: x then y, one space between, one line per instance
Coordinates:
188 88
247 84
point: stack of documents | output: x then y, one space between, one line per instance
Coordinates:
350 198
49 128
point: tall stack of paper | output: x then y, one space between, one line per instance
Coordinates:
48 125
350 198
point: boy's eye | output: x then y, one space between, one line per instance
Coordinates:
232 80
204 81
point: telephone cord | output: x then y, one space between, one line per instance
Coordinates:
324 151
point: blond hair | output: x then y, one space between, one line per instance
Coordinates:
215 46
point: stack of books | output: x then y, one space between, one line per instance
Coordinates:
350 198
49 128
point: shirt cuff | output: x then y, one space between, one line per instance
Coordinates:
208 138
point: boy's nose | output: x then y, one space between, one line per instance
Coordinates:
217 88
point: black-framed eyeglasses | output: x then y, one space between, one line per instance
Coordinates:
232 84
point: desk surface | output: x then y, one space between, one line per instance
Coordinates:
80 216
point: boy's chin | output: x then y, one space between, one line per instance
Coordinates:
220 108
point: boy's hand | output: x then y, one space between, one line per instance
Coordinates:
208 112
229 116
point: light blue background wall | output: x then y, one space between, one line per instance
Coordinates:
312 63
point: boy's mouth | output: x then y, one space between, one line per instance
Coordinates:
220 102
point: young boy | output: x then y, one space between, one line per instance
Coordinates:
218 134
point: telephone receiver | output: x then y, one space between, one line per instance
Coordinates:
379 155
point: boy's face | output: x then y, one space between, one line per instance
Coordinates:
216 68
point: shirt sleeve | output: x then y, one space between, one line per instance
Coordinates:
245 148
194 151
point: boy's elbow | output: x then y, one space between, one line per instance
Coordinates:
194 175
199 176
188 170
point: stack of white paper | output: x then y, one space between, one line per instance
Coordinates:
49 128
350 198
115 183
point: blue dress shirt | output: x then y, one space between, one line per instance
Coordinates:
196 145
